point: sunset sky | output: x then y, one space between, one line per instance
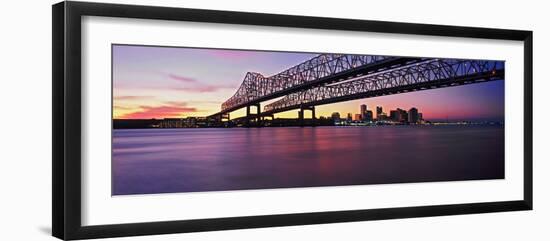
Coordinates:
168 82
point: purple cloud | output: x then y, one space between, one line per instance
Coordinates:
203 88
181 78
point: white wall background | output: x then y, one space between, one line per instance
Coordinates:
25 100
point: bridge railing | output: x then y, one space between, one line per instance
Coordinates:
430 71
255 85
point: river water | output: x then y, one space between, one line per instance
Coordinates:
190 160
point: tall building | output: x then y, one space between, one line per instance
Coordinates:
357 117
378 112
349 117
413 116
399 115
368 116
363 111
403 116
335 116
394 115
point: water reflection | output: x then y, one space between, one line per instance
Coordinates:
189 160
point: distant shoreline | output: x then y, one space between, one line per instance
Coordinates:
121 124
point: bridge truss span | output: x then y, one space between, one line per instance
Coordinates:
422 75
322 69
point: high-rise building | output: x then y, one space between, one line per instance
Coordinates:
378 112
403 116
368 116
394 115
399 115
335 116
413 116
363 111
357 117
349 117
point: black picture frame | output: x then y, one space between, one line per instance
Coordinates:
66 167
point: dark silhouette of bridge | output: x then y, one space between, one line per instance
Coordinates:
332 78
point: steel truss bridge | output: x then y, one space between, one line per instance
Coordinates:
331 78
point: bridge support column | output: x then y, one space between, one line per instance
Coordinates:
225 116
250 116
301 115
225 120
313 118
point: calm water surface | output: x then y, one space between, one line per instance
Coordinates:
190 160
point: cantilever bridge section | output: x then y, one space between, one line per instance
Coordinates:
317 71
332 78
423 75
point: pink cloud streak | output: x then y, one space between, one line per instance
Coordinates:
159 112
181 78
203 88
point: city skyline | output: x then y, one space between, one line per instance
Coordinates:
167 82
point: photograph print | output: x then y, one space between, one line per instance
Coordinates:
202 119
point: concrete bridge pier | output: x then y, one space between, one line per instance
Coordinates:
253 116
301 115
225 116
264 118
224 119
